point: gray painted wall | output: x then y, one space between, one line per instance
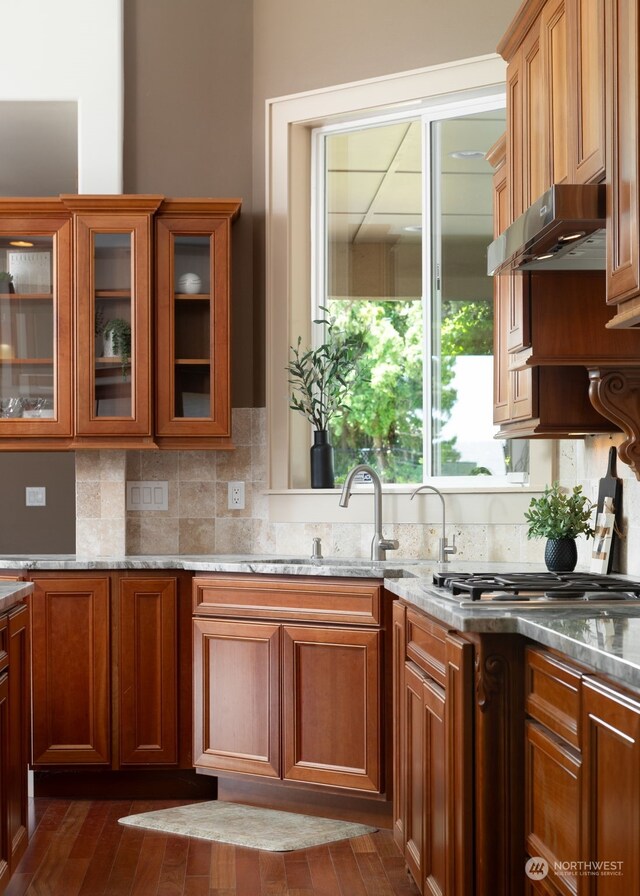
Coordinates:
197 74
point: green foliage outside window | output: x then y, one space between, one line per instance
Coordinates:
384 423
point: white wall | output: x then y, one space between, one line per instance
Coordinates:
71 50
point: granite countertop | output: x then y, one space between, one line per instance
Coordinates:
12 593
606 639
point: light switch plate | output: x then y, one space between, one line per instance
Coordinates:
35 496
147 495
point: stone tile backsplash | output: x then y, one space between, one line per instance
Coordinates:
198 521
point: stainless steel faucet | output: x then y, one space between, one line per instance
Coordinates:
379 545
444 549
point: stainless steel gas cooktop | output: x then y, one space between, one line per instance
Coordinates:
538 589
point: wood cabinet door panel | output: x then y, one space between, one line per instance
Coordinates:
414 770
193 330
586 29
436 843
20 729
399 653
236 691
331 706
552 802
623 175
136 382
39 326
5 845
611 793
148 671
70 670
536 169
515 140
459 765
553 26
501 304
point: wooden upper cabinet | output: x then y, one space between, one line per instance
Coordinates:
115 322
36 349
113 277
623 123
555 96
193 321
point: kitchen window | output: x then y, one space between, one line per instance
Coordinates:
403 213
306 136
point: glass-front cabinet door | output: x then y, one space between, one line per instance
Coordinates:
35 322
113 311
193 327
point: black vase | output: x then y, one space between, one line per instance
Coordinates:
561 554
321 460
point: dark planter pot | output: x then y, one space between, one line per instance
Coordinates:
561 554
322 460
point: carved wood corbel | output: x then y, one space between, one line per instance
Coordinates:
490 679
615 393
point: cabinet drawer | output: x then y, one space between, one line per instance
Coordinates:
300 598
426 645
553 694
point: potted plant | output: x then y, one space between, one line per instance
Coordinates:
117 341
560 516
6 282
321 379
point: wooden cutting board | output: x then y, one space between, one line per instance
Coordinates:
611 487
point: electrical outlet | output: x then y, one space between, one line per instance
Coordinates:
235 495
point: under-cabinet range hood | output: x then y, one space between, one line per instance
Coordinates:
562 231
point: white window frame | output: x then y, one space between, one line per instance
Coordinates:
288 211
441 111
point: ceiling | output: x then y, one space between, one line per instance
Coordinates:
374 180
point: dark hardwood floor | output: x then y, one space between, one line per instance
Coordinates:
77 848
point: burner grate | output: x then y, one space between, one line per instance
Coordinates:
537 585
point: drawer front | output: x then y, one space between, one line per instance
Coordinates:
280 597
426 645
553 694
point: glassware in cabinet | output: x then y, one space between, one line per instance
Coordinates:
193 325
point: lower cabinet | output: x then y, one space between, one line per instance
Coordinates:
433 797
289 684
14 738
111 670
582 779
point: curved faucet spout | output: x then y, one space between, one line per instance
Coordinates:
379 545
444 548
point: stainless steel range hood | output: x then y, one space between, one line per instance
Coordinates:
562 230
